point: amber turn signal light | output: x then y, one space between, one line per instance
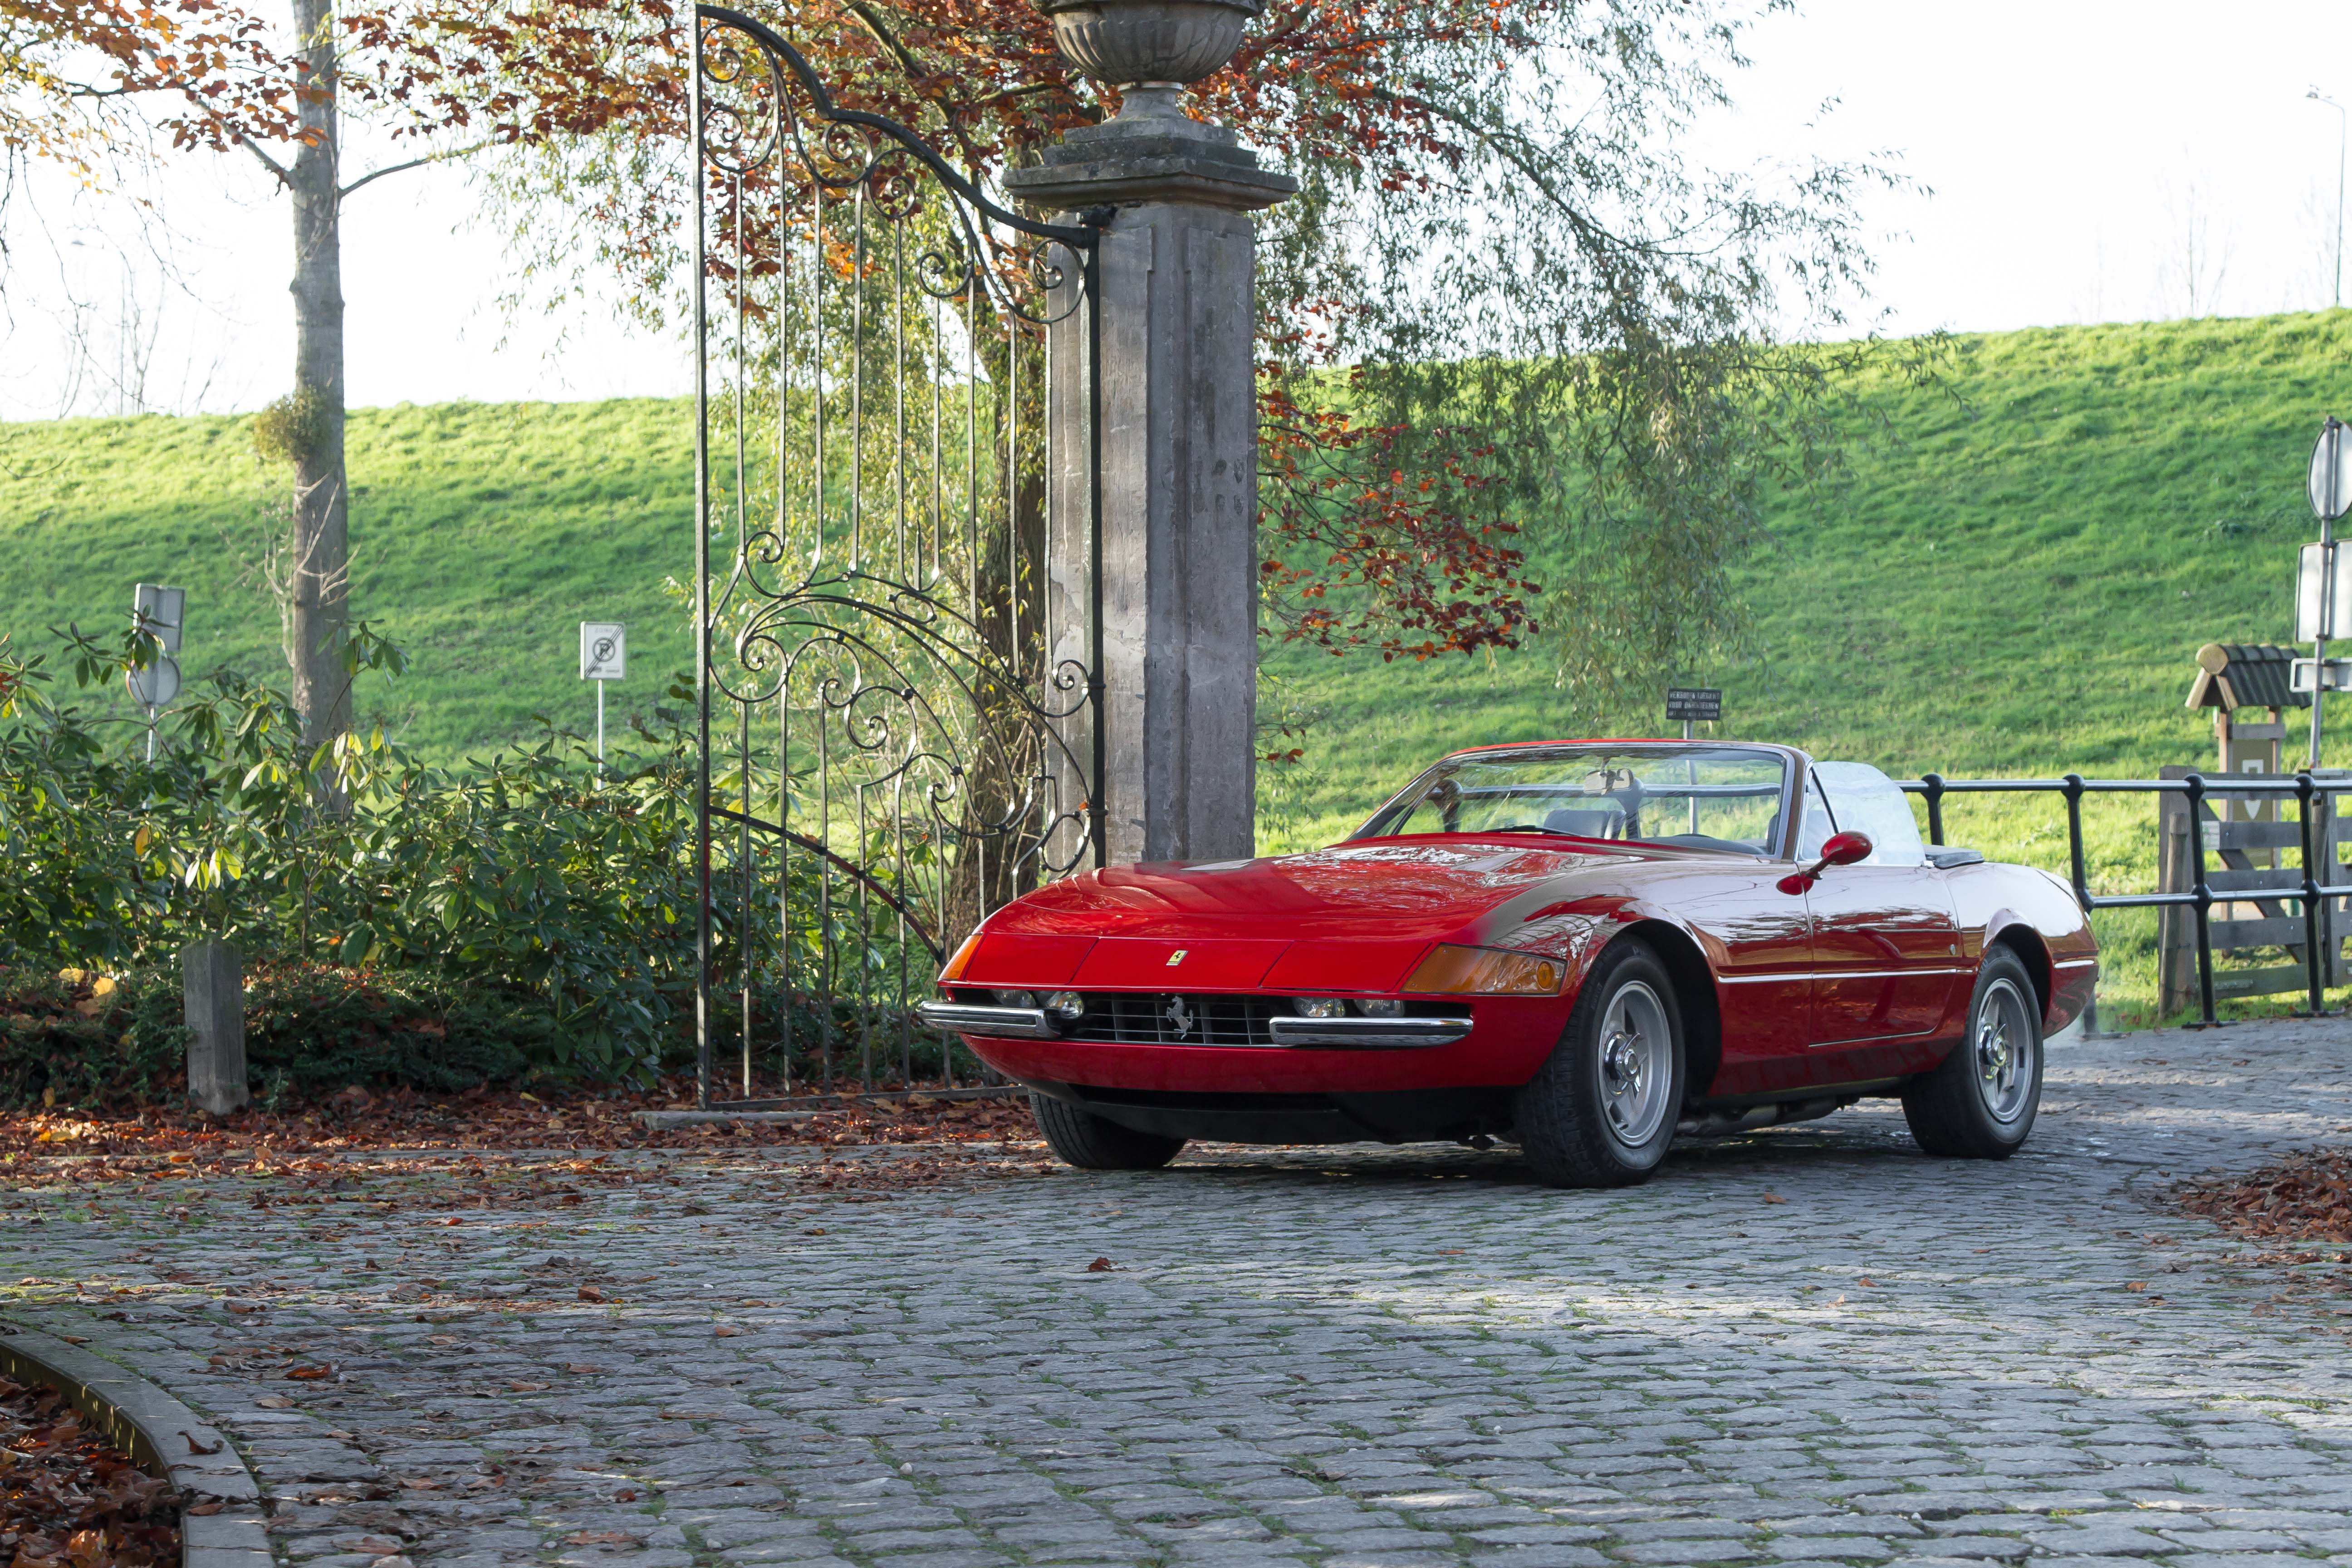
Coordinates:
1487 971
954 971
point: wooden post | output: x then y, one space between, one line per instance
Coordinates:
212 974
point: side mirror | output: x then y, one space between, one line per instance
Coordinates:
1842 850
1846 848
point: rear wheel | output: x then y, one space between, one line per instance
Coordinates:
1089 1143
1980 1102
1601 1110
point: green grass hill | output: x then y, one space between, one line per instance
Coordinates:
2011 576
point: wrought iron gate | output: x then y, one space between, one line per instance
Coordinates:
897 681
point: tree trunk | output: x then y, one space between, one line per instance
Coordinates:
321 544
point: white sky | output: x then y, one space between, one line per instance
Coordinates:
2088 161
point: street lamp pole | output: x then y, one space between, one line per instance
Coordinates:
2343 132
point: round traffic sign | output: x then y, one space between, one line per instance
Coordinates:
2330 485
155 686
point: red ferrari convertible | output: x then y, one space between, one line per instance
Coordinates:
1587 947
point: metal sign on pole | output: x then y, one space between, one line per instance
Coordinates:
161 612
1694 704
2329 487
603 656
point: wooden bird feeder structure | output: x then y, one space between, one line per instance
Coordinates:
2245 684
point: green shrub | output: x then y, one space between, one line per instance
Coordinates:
81 1040
310 1030
527 880
88 1040
401 923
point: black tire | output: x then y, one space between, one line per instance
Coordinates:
1601 1111
1979 1102
1089 1143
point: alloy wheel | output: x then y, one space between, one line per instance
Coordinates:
2004 1047
1636 1066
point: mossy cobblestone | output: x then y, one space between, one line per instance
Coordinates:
1811 1345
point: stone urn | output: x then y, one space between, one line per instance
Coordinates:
1149 50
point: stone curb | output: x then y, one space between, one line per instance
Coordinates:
164 1436
801 1108
661 1119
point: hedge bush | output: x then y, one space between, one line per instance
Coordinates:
404 923
89 1041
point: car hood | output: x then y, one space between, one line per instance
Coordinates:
1368 909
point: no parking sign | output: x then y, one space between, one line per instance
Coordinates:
604 650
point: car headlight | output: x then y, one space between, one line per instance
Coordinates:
1319 1006
1066 1005
1487 971
1382 1007
1016 998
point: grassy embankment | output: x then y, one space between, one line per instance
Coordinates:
2012 579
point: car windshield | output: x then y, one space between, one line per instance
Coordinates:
1709 798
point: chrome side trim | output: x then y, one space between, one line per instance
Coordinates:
1838 974
1365 1034
968 1018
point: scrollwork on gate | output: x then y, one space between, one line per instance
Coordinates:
890 705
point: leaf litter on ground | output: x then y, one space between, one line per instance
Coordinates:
503 1149
2297 1213
69 1498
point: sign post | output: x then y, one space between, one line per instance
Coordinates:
161 613
2329 486
1692 704
603 656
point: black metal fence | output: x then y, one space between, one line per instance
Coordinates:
2315 802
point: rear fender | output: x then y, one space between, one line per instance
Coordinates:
2061 1004
2006 929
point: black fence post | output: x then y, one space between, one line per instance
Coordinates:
2204 895
2074 839
1935 793
2305 792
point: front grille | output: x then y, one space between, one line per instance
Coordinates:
1176 1020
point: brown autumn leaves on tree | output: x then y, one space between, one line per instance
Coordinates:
79 77
1522 366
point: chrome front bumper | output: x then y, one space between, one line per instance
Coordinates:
1328 1033
969 1019
1368 1033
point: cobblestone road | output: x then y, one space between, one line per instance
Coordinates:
1808 1344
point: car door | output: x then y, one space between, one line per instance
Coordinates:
1885 945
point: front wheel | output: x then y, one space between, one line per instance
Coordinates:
1091 1143
1601 1111
1980 1102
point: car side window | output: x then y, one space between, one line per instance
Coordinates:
1813 829
1864 800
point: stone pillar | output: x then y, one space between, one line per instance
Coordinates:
212 974
1177 425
